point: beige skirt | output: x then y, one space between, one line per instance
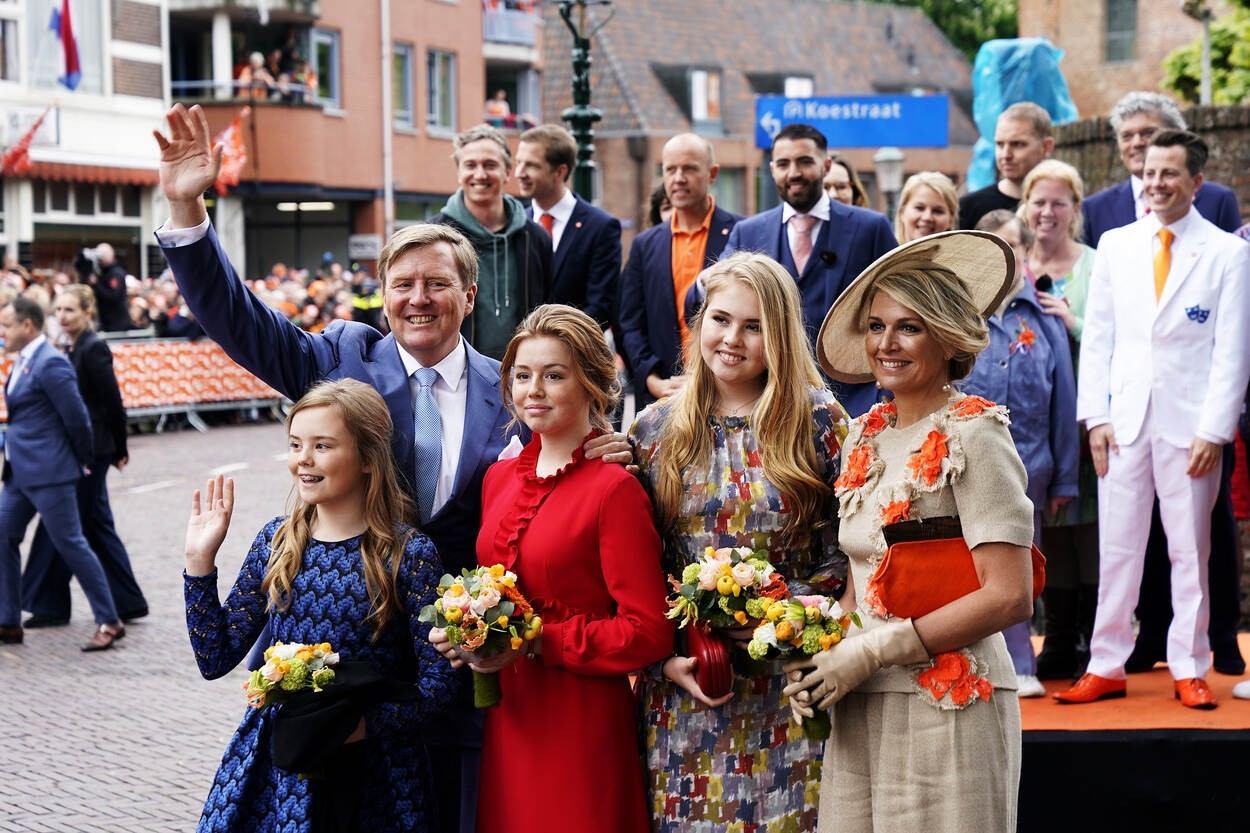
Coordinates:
895 763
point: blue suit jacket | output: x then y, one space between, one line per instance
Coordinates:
49 435
1113 207
851 240
650 336
586 269
291 360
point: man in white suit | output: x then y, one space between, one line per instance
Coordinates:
1165 359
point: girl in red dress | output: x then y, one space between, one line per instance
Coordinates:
561 750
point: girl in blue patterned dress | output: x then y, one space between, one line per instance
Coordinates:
744 455
339 568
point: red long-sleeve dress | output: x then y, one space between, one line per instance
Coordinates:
561 750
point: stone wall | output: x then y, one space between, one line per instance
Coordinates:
1089 146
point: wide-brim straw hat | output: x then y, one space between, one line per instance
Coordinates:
983 261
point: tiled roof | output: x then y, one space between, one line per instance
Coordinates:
847 48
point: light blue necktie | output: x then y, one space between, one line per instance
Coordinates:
427 427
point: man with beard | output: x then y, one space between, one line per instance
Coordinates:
824 244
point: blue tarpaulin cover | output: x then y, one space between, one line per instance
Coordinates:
1006 71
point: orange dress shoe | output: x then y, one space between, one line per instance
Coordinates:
1194 693
1091 687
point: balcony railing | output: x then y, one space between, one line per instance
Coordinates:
504 25
283 93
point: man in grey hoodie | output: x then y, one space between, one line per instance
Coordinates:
513 252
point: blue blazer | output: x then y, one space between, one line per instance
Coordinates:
586 269
1114 207
847 244
650 336
292 360
49 435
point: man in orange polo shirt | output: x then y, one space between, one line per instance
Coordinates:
663 264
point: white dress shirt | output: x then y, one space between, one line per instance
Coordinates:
451 394
22 363
820 211
1140 209
560 213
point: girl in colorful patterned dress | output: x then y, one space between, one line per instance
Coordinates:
745 455
340 569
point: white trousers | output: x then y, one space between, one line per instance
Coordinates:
1140 470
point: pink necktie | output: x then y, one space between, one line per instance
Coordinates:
801 246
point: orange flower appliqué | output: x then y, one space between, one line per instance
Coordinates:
895 511
952 672
878 418
926 464
970 406
858 461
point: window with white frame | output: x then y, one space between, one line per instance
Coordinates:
705 109
10 65
441 112
47 54
401 84
326 57
1121 34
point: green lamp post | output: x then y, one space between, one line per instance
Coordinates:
581 116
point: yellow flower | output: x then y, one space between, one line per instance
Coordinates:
325 648
453 614
726 586
740 617
515 642
502 621
497 571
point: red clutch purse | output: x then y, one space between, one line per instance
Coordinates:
928 564
712 671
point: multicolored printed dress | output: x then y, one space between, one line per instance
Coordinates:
745 766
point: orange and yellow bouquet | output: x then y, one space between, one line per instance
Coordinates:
802 626
484 614
290 668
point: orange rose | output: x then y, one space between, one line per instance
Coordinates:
895 511
926 464
858 461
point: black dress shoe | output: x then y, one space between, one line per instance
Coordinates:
43 620
1144 657
1228 660
131 615
10 634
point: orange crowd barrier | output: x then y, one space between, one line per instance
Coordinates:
171 375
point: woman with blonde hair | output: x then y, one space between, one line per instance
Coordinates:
338 569
926 724
745 455
927 205
1060 266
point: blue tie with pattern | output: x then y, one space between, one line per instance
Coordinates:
428 433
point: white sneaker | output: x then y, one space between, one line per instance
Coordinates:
1029 686
1242 690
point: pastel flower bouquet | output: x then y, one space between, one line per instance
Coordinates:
484 614
802 626
290 668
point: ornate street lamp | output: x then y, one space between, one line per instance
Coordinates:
581 116
888 163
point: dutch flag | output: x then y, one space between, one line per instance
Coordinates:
65 31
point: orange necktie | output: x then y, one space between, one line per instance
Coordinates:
1163 261
547 222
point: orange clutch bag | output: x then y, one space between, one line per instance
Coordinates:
928 564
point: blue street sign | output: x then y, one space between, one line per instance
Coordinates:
863 121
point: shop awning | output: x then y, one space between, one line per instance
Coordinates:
99 174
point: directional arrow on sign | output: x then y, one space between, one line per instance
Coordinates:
771 124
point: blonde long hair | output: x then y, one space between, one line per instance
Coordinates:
783 417
367 419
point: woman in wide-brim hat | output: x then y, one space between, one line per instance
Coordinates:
926 724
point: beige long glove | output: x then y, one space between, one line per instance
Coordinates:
836 672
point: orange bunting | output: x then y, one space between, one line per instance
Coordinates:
234 152
16 159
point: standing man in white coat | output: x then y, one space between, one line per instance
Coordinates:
1164 363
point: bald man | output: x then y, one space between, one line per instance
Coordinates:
664 261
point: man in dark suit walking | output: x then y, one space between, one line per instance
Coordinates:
1134 120
663 263
823 244
47 450
586 267
429 275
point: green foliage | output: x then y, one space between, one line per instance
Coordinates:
968 23
1230 62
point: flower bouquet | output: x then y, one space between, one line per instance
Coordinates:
290 667
484 614
722 588
802 625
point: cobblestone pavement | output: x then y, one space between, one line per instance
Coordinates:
127 740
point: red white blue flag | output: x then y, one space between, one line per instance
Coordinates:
65 31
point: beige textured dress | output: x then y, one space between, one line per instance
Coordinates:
935 746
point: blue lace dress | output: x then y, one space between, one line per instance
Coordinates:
744 766
330 604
